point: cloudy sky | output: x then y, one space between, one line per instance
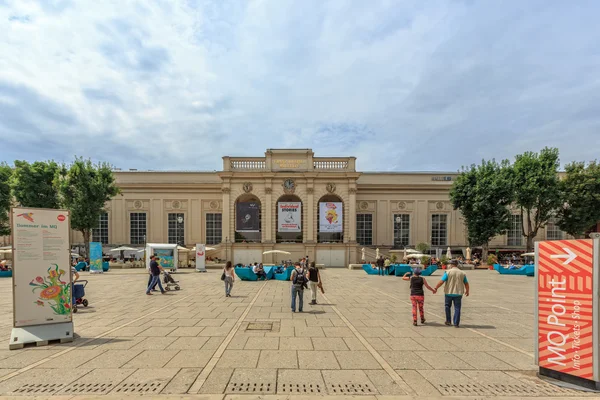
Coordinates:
402 85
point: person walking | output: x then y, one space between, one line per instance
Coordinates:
417 294
380 264
229 276
299 279
387 264
155 272
456 284
314 281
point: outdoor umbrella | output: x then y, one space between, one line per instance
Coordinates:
377 253
449 252
418 255
123 249
528 254
468 253
276 252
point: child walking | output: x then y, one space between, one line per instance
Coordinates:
417 294
228 278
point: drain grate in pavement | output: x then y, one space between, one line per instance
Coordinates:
300 388
351 388
47 388
533 389
250 387
153 388
259 326
88 388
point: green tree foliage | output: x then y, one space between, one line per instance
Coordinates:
482 194
33 184
5 198
580 194
84 190
422 247
536 189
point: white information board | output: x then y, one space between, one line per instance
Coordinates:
42 267
200 258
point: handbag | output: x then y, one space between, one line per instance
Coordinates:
223 276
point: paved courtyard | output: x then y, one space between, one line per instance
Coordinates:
358 341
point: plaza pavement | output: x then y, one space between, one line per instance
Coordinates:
359 341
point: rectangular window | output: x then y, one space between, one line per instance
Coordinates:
213 228
515 232
137 228
176 229
364 229
401 230
100 234
439 230
553 232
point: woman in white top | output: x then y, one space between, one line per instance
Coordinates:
229 275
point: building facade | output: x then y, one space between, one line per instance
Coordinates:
246 209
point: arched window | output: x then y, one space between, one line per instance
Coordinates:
330 219
290 217
248 219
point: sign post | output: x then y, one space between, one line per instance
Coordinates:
567 310
42 301
200 258
96 258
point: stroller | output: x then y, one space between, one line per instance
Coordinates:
170 282
79 294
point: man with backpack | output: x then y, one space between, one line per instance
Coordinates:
299 280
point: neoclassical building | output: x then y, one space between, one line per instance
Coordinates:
292 201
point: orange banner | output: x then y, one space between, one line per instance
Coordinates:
565 306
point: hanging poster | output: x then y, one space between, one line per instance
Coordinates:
289 216
41 267
96 257
247 217
200 258
331 218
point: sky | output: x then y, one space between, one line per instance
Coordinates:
401 85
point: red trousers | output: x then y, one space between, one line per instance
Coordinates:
417 301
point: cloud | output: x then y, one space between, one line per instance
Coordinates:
401 86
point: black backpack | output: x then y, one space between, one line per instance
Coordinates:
300 278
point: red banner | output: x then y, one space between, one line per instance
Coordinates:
565 306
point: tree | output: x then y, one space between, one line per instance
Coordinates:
580 197
536 188
5 199
84 190
482 194
33 184
422 247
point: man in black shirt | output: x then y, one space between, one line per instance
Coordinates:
155 272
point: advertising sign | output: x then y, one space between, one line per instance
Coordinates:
289 215
565 307
96 257
331 217
200 258
41 267
166 258
247 217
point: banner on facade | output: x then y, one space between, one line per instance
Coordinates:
289 216
200 258
41 267
96 258
331 217
247 217
565 307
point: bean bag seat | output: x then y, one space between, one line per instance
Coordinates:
285 275
245 274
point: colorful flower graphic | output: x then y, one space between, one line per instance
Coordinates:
55 291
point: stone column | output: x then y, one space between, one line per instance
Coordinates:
352 215
226 217
267 213
309 209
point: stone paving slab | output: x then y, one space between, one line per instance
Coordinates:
360 334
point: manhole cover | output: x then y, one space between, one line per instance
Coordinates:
351 388
139 388
260 326
300 388
251 387
88 388
533 389
39 388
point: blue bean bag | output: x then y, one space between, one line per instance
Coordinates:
507 271
245 274
285 275
429 270
270 271
401 269
6 274
105 266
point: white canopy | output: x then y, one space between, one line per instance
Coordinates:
276 252
528 254
206 248
7 251
412 251
124 248
418 255
181 248
75 255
